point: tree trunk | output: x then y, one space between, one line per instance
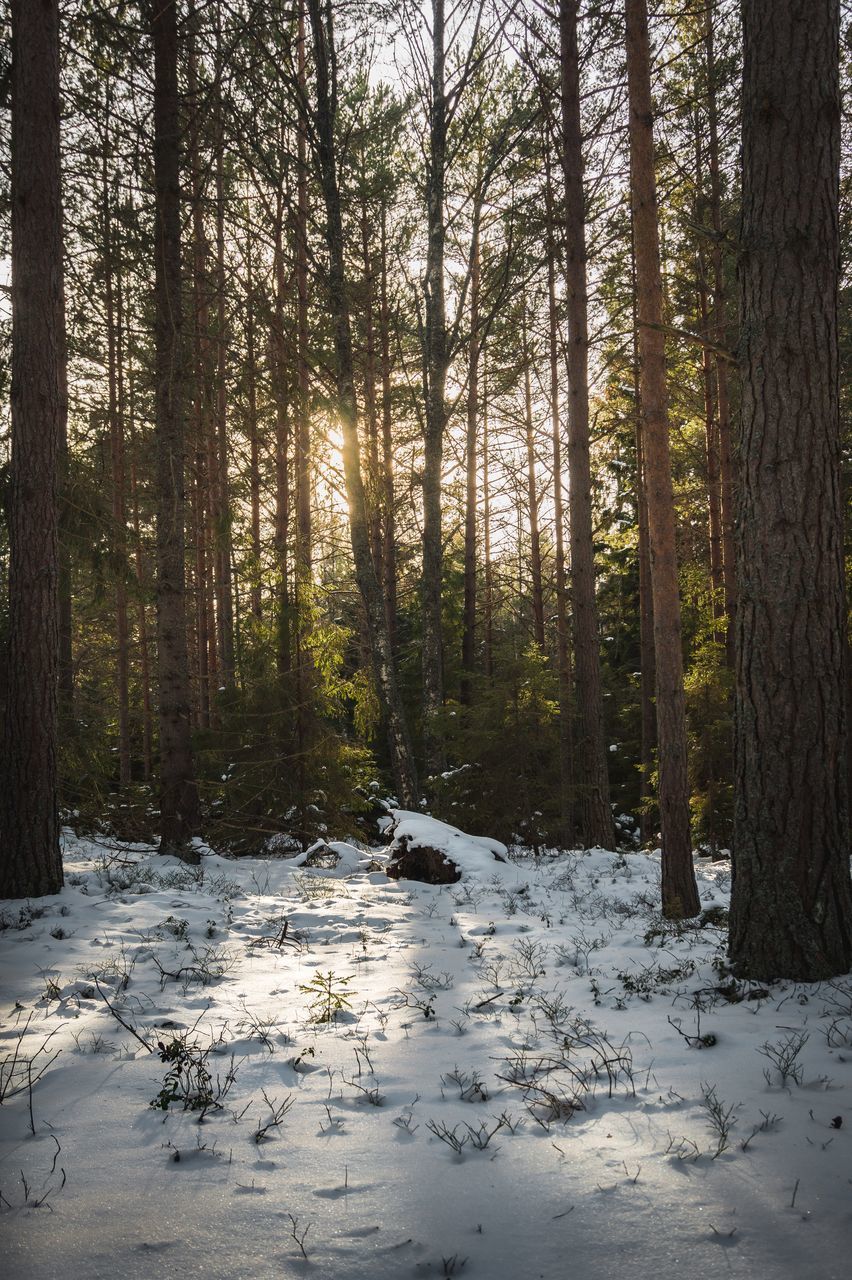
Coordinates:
281 395
388 500
436 363
711 426
141 582
470 502
218 456
303 400
791 909
179 810
720 337
680 894
647 662
563 652
31 863
595 815
488 568
115 383
532 495
254 441
384 664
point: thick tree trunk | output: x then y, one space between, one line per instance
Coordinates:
436 363
179 810
595 815
791 910
384 665
680 895
30 860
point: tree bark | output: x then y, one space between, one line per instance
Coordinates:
179 809
31 863
532 494
470 501
791 908
388 497
384 664
679 891
595 814
563 651
115 384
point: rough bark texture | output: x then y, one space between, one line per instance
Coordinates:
384 667
30 860
594 813
179 812
680 895
791 911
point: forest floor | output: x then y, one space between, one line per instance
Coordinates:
257 1069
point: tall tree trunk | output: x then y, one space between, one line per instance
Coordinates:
179 810
532 494
254 441
470 501
680 894
488 568
218 454
384 665
711 426
141 579
436 363
303 424
281 395
595 815
388 499
30 860
371 408
720 336
791 908
115 379
563 652
647 662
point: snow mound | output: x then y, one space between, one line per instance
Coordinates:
334 857
425 849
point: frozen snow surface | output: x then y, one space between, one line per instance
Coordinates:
525 1074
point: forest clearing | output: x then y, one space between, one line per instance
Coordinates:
344 1075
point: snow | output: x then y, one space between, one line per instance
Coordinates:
473 855
544 996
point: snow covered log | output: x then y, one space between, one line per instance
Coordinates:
435 853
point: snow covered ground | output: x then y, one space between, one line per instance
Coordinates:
525 1074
